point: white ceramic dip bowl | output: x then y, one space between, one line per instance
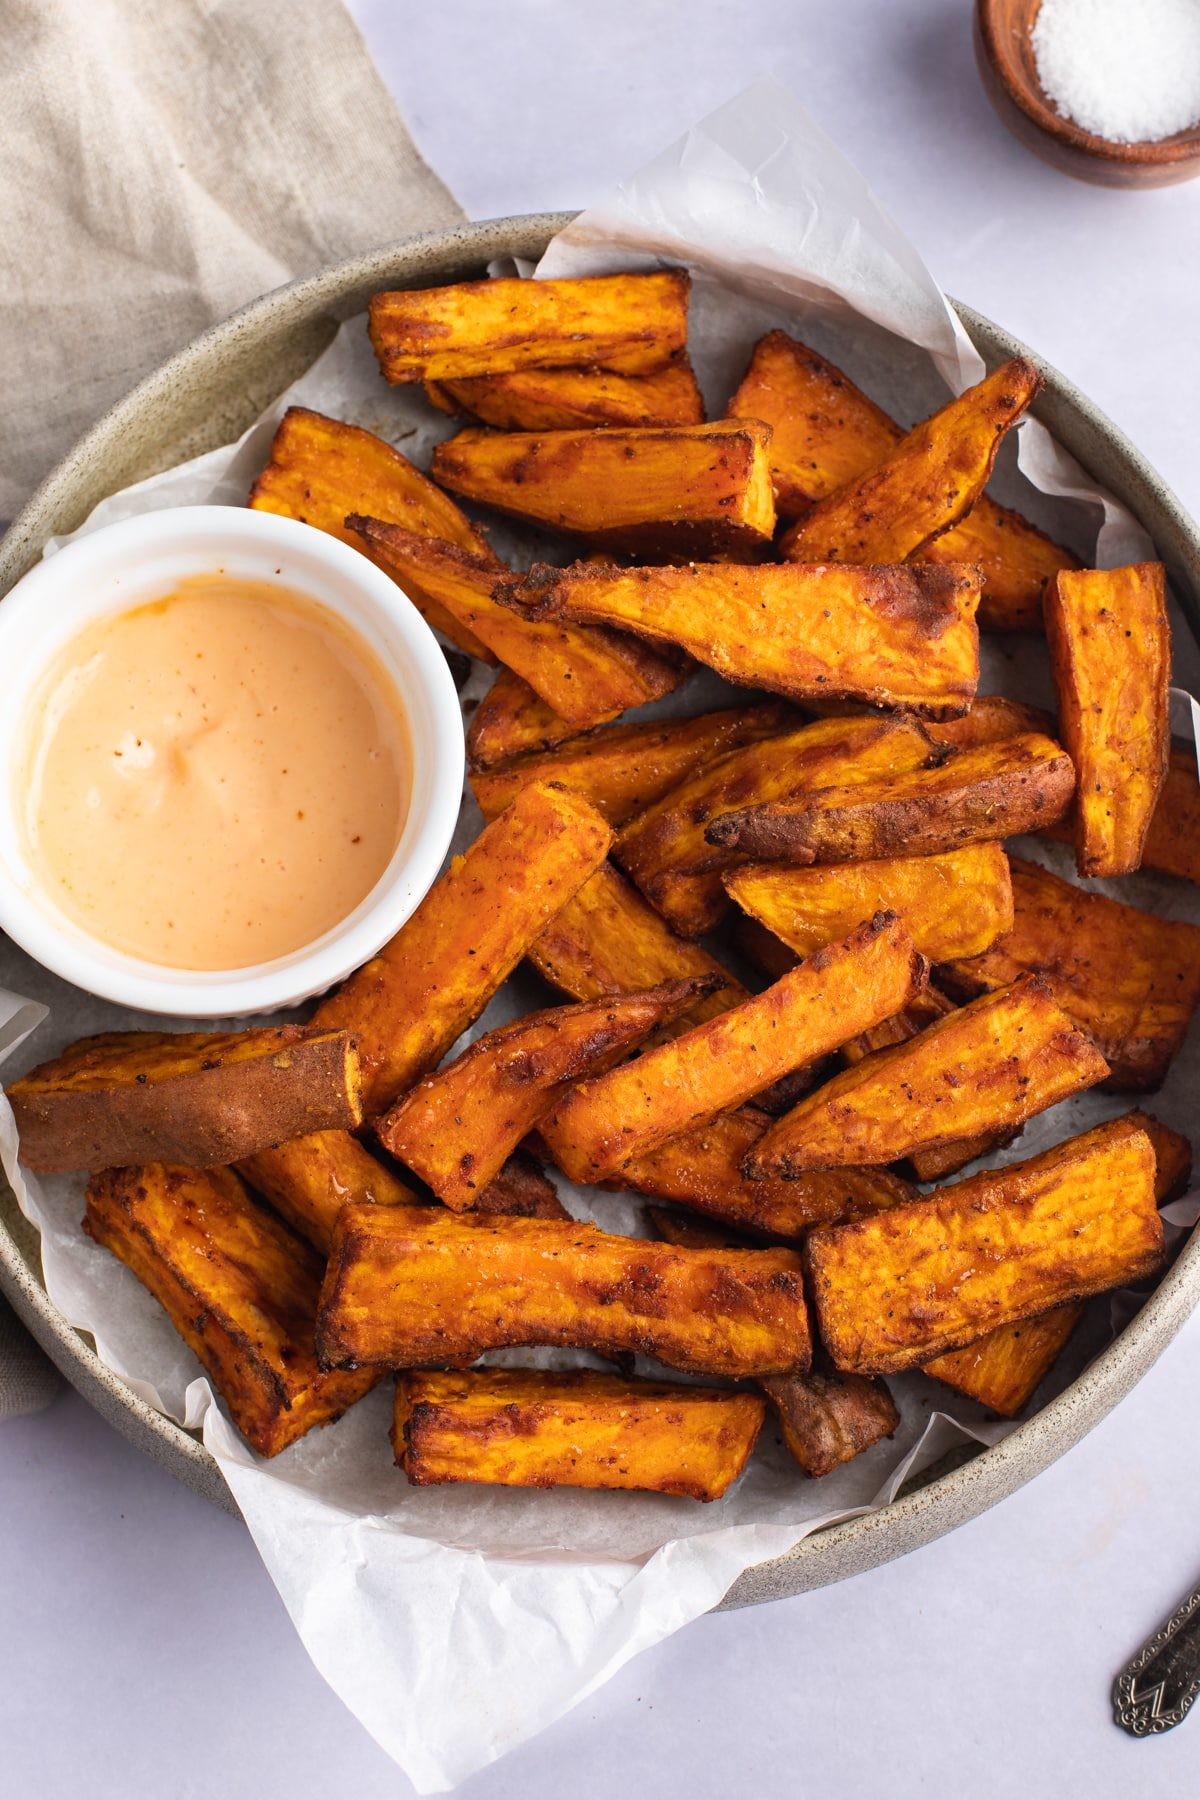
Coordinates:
118 567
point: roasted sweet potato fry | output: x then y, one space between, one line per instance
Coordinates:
674 491
665 850
961 897
585 675
537 1428
992 718
976 796
606 940
904 1286
1110 650
1002 1370
631 323
888 636
575 399
513 720
926 1008
985 1067
924 486
457 1127
321 470
1127 978
409 1286
702 1171
603 1124
239 1289
310 1180
826 1418
826 433
626 768
196 1096
409 1003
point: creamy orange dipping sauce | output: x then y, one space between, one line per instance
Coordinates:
216 778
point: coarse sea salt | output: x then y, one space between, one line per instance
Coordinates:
1127 70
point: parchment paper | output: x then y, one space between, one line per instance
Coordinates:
457 1622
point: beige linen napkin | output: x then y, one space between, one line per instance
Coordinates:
162 162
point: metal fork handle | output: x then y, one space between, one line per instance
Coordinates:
1156 1690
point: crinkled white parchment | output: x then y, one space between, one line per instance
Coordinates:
457 1622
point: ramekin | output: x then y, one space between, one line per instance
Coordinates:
120 566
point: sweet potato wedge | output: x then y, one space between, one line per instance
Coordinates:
1002 1370
1110 651
321 469
924 486
513 720
904 1286
410 1286
926 1008
309 1181
674 491
457 1127
701 1170
631 323
197 1097
603 1124
963 897
576 399
409 1003
665 850
626 768
240 1290
891 637
992 718
985 1067
976 796
826 1418
538 1428
1127 978
606 940
826 433
586 676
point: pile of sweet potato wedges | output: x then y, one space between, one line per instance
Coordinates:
796 971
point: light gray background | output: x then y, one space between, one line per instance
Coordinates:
143 1651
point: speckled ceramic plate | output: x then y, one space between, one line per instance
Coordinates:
207 395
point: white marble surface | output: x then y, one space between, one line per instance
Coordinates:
144 1652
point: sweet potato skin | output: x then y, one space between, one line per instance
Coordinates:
197 1098
889 637
904 1286
665 849
409 1003
631 323
976 796
626 768
701 1170
513 720
1110 652
1130 980
576 399
603 1124
407 1287
585 676
985 1067
534 1428
237 1286
309 1180
457 1127
607 940
992 718
927 484
963 897
321 469
678 491
827 433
